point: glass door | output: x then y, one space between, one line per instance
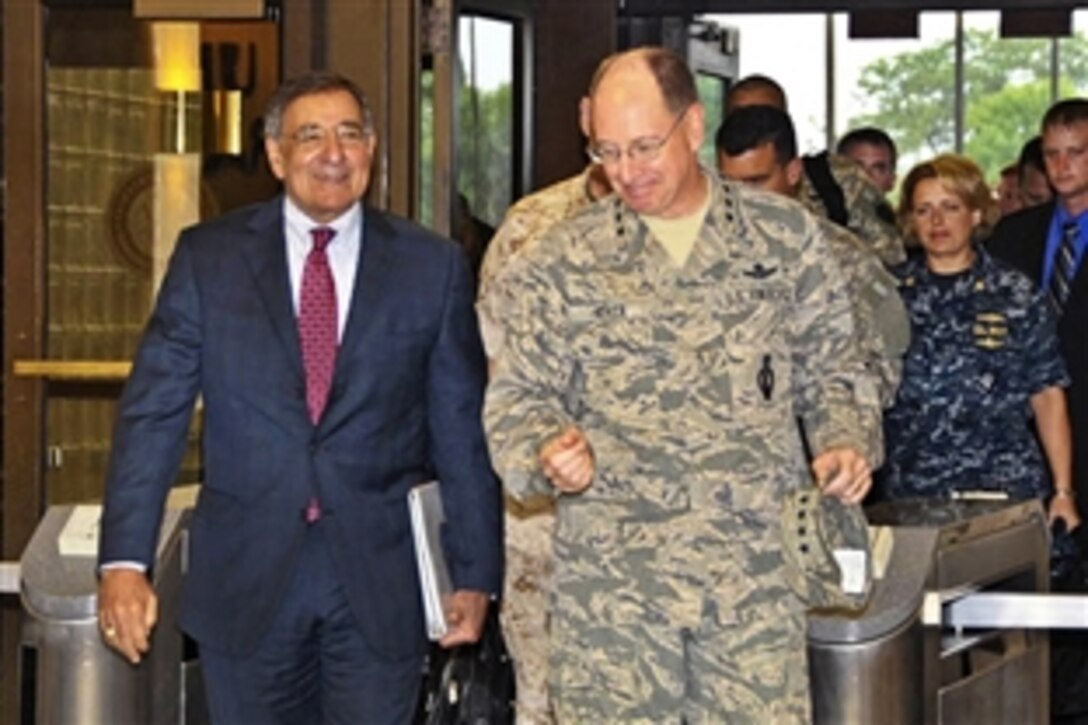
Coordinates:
475 103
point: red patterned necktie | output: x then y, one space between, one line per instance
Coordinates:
317 332
317 328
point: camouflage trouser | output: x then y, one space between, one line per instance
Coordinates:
526 606
648 627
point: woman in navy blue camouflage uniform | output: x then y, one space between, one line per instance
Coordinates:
983 362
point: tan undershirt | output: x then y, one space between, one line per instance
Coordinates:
678 234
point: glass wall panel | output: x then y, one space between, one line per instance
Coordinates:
485 115
487 94
904 86
791 48
712 95
150 127
103 122
425 209
1073 58
1006 90
908 87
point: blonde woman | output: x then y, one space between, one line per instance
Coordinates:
983 364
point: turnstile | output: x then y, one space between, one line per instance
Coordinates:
67 674
889 664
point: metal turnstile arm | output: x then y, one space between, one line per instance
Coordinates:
1005 610
9 577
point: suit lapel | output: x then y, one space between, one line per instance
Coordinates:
372 290
371 278
1041 231
266 255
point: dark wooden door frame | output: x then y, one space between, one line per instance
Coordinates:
24 303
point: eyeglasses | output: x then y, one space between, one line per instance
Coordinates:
312 136
641 151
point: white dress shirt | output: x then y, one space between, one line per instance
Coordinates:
343 253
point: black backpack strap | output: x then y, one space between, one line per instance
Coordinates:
818 170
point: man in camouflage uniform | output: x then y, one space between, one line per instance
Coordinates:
757 145
528 524
848 197
522 226
664 344
874 151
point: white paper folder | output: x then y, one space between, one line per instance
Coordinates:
425 509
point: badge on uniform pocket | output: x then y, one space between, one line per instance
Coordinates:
990 331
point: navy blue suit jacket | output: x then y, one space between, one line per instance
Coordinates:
1020 239
404 408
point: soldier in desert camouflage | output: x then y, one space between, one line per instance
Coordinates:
663 344
525 222
528 523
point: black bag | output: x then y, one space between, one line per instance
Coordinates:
471 684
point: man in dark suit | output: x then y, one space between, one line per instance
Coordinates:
336 352
1047 242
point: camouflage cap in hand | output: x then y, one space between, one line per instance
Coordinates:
826 546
